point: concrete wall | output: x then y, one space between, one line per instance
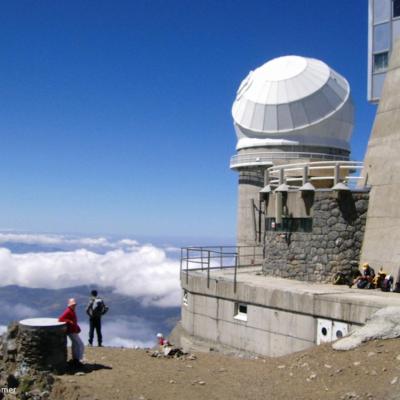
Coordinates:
250 184
282 315
266 331
382 168
333 245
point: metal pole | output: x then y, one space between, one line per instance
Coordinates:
266 177
253 212
305 174
278 208
208 271
337 174
187 265
180 267
259 221
235 276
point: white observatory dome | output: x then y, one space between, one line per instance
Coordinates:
293 100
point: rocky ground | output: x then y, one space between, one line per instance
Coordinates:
371 371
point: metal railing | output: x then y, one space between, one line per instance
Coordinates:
296 175
208 258
266 158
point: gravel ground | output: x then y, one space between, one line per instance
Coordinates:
371 371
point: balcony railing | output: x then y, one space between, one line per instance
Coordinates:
206 259
268 158
328 172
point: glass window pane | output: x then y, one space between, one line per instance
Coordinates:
396 8
381 38
381 61
381 11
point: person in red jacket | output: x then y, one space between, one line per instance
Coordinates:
73 330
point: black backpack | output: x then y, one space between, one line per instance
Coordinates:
387 283
98 308
362 284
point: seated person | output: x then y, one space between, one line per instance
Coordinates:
365 280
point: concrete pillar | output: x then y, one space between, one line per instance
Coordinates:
381 246
250 184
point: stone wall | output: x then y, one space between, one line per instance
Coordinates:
333 245
35 348
42 348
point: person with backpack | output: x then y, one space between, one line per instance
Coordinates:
95 310
365 280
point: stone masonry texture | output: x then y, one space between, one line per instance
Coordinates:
333 245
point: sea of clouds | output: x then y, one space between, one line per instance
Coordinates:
146 272
142 271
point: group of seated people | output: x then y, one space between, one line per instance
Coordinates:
369 280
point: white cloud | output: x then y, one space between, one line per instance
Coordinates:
3 328
62 240
16 311
143 272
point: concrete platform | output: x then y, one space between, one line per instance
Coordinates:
282 315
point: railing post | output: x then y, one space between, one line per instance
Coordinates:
337 174
235 275
180 264
305 174
266 177
208 271
187 265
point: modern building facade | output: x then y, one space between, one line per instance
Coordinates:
383 30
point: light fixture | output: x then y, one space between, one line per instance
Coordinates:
307 187
266 189
341 187
282 188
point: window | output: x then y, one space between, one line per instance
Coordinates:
289 225
240 311
185 298
381 61
396 8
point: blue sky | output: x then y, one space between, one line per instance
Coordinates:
115 115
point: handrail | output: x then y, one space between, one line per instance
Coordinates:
218 257
265 157
335 171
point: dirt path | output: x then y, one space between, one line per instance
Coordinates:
370 372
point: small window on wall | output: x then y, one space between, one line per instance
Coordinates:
185 298
240 311
381 61
289 225
396 8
